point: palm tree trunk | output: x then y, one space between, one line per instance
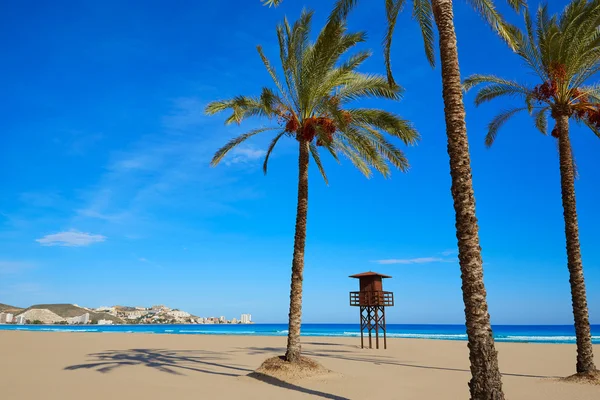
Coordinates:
293 345
486 381
585 354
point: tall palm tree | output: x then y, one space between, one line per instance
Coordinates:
486 380
564 53
312 104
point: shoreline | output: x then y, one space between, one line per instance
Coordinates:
542 334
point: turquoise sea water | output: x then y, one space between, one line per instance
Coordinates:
502 333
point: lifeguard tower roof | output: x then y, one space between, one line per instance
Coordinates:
368 274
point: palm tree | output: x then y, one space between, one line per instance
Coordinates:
486 380
312 104
564 53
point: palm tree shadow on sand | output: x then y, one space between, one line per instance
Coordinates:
177 362
378 359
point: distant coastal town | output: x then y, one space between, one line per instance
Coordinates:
73 314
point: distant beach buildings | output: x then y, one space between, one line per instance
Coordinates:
246 319
70 314
179 314
6 318
80 320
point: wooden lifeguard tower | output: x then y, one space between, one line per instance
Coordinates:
372 301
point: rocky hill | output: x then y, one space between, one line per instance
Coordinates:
42 315
10 309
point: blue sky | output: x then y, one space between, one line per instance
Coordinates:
107 196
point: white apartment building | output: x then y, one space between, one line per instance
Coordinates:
246 318
20 320
222 319
82 319
105 322
6 318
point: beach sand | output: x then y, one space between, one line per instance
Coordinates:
66 365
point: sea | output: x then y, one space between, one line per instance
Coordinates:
502 333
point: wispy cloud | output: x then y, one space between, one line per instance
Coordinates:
244 155
13 267
450 252
149 262
169 171
418 260
70 238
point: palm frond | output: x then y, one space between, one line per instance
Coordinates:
387 150
271 71
386 122
423 13
392 8
235 142
540 118
271 3
358 86
270 150
497 123
354 158
488 11
517 5
496 87
242 107
367 150
315 155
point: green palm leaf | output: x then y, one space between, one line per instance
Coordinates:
235 142
497 123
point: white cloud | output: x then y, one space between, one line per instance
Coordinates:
244 155
13 267
419 260
450 252
70 238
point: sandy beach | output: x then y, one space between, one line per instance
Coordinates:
65 365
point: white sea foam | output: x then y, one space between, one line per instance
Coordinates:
210 332
536 338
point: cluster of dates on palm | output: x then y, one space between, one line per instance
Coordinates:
591 114
544 92
308 129
311 126
584 110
